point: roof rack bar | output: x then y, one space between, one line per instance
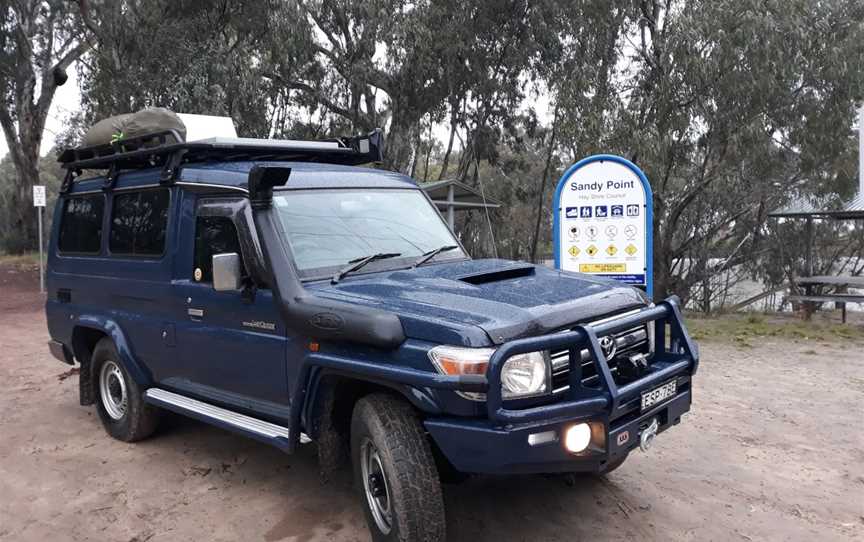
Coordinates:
68 179
110 177
171 168
167 149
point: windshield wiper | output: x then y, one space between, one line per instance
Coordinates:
354 265
426 256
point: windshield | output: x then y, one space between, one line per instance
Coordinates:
329 228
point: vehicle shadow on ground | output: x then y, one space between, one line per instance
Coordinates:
479 509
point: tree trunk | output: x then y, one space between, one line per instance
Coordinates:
454 122
399 144
706 286
22 118
22 237
418 141
428 152
663 280
540 195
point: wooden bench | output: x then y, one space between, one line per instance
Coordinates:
839 300
839 297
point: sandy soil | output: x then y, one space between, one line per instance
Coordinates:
773 450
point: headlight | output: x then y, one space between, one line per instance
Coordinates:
523 375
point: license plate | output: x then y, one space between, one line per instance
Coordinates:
659 394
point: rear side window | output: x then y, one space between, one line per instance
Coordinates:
138 223
81 224
213 235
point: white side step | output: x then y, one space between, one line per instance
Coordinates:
228 417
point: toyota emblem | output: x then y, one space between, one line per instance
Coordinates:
607 344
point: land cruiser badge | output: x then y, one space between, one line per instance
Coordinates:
260 324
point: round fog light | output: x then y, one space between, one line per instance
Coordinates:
577 438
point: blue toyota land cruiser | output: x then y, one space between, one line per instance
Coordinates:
275 289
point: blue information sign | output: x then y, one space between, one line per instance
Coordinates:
603 221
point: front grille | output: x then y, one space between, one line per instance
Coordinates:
628 343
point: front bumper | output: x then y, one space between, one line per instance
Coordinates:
477 446
499 444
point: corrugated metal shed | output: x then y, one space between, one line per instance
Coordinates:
450 196
822 208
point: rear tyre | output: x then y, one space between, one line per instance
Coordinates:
120 402
395 471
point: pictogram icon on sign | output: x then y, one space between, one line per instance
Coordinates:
611 231
631 249
591 250
630 231
574 251
611 250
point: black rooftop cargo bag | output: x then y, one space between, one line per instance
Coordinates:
129 125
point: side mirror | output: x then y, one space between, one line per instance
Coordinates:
226 272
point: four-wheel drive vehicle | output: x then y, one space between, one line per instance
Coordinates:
273 289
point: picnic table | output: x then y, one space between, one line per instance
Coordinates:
840 296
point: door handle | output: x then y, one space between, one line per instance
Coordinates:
195 313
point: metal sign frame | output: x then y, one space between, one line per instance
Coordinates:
649 212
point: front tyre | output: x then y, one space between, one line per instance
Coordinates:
395 471
120 403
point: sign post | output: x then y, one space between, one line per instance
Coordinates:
39 203
603 221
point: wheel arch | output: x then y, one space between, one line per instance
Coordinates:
329 405
86 334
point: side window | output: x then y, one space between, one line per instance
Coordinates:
213 235
81 224
138 223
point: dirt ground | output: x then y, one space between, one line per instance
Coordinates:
772 450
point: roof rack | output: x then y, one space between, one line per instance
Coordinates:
168 150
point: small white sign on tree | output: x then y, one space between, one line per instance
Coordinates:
39 203
39 195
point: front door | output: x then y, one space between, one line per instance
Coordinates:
231 345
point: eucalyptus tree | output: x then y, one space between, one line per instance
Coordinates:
382 62
197 57
39 40
738 92
728 106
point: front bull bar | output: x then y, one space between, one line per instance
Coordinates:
678 357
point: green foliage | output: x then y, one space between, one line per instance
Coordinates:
732 107
12 239
39 40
